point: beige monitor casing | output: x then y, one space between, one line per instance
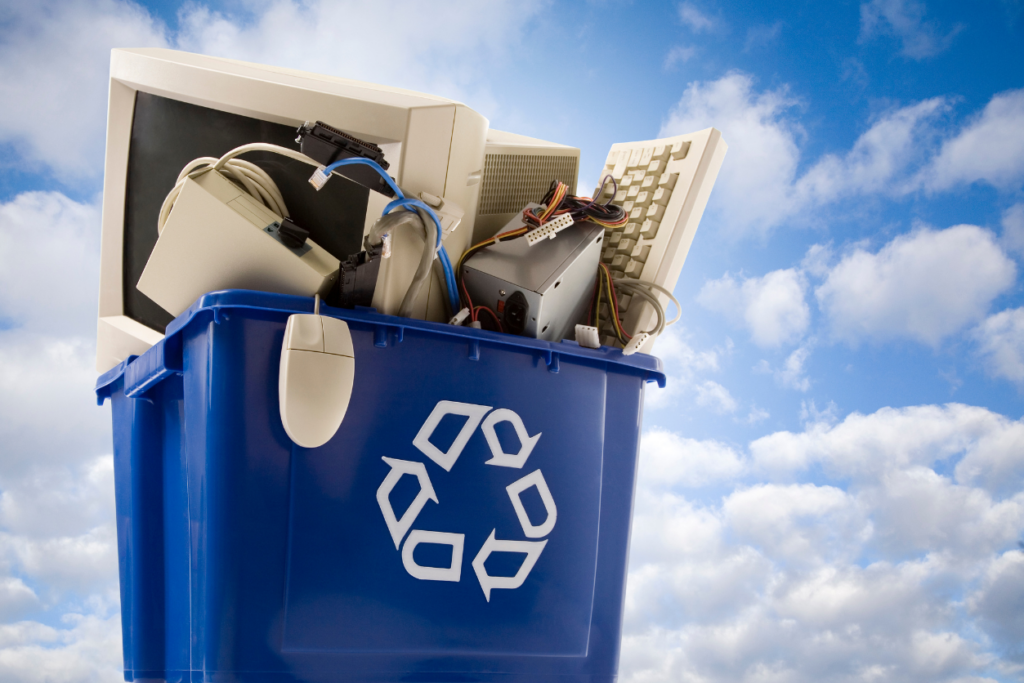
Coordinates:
435 145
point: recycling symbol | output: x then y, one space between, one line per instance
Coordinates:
407 538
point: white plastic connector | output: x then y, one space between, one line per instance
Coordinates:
319 178
459 317
588 337
385 245
549 229
635 343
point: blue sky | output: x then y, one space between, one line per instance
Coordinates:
832 486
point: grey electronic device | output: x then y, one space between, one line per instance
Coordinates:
540 291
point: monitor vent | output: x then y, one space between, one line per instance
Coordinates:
511 181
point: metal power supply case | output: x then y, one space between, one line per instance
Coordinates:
468 522
540 291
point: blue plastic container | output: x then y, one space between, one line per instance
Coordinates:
246 558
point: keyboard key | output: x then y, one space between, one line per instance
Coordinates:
627 206
620 197
608 254
620 262
625 246
637 214
634 269
641 252
631 231
638 176
613 239
624 300
632 192
634 158
668 181
626 182
656 167
661 153
644 198
649 230
655 212
680 149
649 184
645 158
661 196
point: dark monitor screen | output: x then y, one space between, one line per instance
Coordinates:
168 134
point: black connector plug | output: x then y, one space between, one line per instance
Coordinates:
326 144
516 308
358 278
292 236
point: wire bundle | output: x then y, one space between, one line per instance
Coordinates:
607 289
558 201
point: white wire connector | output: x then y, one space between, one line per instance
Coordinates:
549 229
459 317
588 337
635 343
319 177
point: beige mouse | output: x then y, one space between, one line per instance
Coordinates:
315 382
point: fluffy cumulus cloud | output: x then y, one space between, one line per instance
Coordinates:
1000 341
773 307
903 150
905 20
908 533
990 148
54 66
925 285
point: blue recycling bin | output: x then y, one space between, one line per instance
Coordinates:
468 522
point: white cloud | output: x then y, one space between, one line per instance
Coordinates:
683 364
867 447
772 307
925 286
420 55
999 600
696 20
905 20
1001 344
989 148
679 54
672 460
881 154
1013 229
762 36
713 395
886 569
800 523
791 374
61 296
88 650
54 66
756 178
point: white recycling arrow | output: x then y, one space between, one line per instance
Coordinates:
452 573
515 489
398 527
500 457
532 549
473 414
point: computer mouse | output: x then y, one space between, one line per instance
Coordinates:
315 382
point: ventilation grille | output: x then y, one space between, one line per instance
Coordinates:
511 181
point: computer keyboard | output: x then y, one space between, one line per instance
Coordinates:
663 185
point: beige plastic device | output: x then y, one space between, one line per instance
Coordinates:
218 237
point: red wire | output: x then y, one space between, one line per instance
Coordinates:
493 315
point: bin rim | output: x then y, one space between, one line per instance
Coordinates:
220 302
